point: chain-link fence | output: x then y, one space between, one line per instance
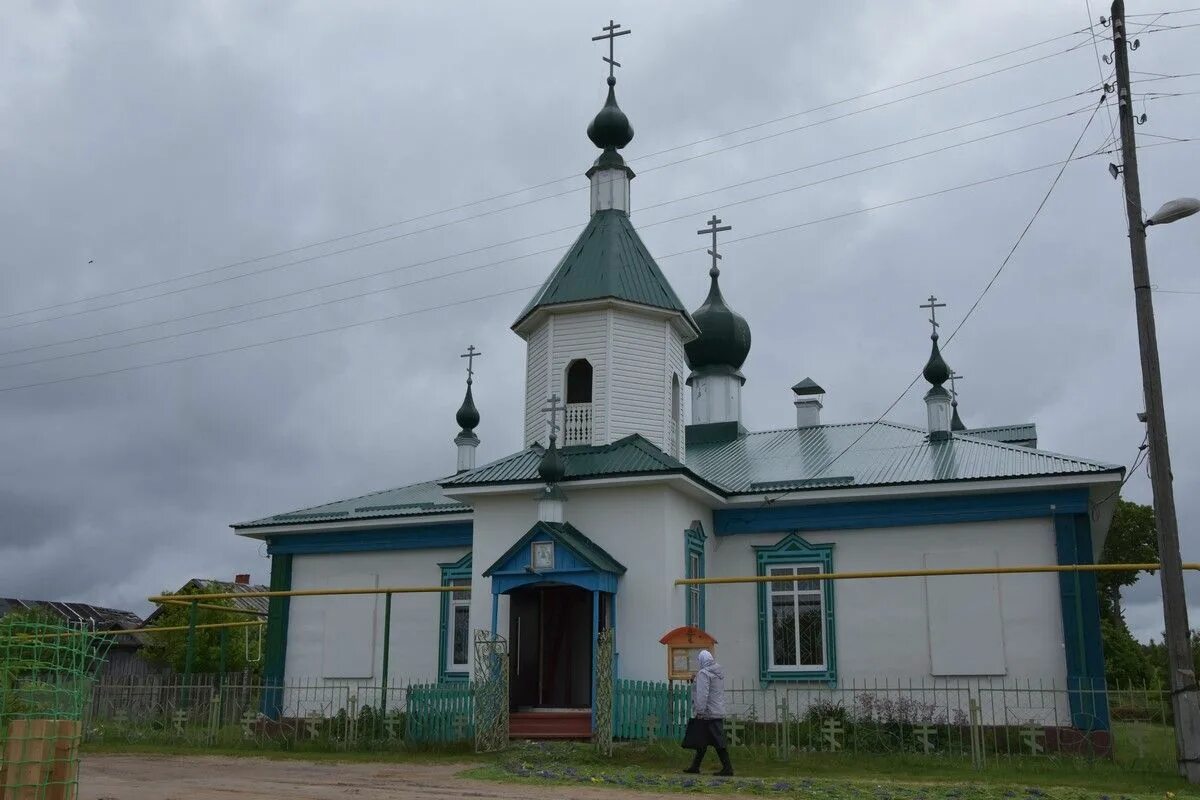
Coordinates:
45 674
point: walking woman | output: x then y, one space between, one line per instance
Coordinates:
707 726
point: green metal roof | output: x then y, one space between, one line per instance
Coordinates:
1009 434
608 260
887 453
570 537
631 455
418 499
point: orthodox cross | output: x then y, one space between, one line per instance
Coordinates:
713 229
611 33
470 356
933 305
953 377
552 410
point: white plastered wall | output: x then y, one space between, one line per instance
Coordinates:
335 643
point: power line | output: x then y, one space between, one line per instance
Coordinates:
1007 258
1176 291
842 215
376 229
518 240
428 279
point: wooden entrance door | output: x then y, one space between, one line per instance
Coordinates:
550 630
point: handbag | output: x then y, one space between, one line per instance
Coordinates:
695 736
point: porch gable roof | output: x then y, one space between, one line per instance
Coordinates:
565 534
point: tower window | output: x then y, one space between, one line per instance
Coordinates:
579 381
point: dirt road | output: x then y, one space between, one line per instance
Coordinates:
212 778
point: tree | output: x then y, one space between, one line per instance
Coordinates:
1132 539
1126 661
170 648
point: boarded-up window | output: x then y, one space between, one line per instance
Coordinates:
966 629
349 634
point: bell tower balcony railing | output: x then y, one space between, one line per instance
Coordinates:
578 426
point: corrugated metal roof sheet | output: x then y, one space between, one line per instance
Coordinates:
257 605
608 259
632 455
96 617
417 499
888 453
1010 434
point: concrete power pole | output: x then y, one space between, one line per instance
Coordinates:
1179 652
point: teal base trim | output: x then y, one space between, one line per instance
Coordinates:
278 611
792 549
1086 683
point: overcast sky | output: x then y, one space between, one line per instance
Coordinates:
142 142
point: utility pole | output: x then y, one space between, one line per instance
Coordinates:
1178 636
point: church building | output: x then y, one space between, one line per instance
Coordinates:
638 470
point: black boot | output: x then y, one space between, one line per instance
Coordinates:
696 759
726 766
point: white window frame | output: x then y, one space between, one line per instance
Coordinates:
795 592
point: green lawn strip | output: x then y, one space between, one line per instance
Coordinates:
634 765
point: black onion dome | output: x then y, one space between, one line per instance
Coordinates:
956 423
468 415
610 129
724 338
936 371
552 468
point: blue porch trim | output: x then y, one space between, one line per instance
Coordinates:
895 513
414 537
1086 683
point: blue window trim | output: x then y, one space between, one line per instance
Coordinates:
1080 606
792 549
451 571
412 537
695 545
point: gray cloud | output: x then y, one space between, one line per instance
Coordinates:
158 140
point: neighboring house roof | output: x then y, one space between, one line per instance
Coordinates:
96 617
631 455
418 499
258 605
608 260
1009 434
790 459
568 536
887 453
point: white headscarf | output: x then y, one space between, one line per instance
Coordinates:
705 658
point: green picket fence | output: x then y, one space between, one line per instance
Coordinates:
650 709
439 712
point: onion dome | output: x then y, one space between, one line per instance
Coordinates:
956 423
610 129
552 467
724 339
936 371
467 415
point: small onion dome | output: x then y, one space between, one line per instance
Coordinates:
724 338
936 371
610 129
468 415
552 468
956 423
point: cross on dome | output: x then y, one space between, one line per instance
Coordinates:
611 33
470 356
933 305
713 229
552 409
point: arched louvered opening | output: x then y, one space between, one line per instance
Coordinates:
577 427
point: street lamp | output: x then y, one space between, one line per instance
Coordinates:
1174 210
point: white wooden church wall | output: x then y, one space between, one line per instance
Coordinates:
337 641
537 384
883 627
575 336
677 368
643 362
